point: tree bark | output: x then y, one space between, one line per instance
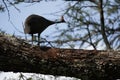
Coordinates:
18 56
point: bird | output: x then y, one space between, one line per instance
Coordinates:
36 24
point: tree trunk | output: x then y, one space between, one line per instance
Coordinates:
18 56
103 26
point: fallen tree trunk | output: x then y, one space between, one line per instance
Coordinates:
18 56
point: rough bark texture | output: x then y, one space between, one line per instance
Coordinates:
18 56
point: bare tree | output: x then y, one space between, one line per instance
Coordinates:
94 23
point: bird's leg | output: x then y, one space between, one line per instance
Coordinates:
38 38
32 38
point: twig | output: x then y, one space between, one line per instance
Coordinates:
6 9
49 42
13 6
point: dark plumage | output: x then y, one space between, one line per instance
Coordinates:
37 24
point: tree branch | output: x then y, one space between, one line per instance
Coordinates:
18 56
